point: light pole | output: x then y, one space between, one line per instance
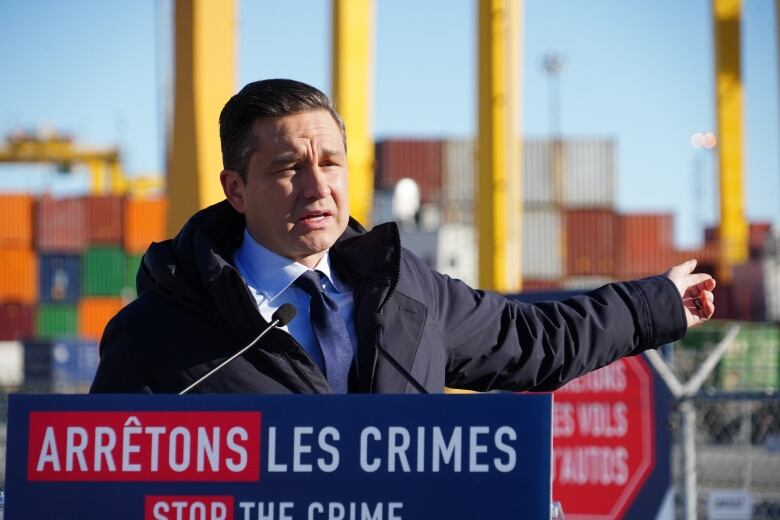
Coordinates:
699 141
553 64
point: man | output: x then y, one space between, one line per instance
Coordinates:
284 235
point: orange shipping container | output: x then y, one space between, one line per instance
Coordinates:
18 276
95 313
104 219
16 221
144 223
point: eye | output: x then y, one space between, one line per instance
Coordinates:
286 170
328 163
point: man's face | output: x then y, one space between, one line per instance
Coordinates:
295 197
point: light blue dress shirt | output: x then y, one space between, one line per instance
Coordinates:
270 277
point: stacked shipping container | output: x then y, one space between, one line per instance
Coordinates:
66 270
572 235
18 276
568 191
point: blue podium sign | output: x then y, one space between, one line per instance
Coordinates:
352 457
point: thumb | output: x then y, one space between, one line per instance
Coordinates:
679 273
683 269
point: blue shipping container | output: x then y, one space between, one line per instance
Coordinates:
60 278
74 364
37 366
60 366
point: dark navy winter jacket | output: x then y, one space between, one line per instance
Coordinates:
194 310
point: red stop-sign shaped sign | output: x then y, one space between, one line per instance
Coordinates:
603 440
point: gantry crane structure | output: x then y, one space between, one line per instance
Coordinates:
60 149
205 53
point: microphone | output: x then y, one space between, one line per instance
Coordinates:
280 318
380 328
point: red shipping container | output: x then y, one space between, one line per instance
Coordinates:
16 216
419 160
724 309
748 300
104 219
17 321
757 233
711 235
705 257
590 242
643 245
61 225
532 285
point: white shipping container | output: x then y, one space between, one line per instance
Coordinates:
575 173
589 178
11 363
457 256
585 283
538 181
772 277
542 243
451 249
459 170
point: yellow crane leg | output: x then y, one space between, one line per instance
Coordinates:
205 35
118 181
98 176
498 208
733 231
353 50
499 211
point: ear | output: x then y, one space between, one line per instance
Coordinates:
233 186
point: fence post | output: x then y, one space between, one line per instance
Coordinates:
688 444
684 393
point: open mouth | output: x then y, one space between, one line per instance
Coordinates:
314 217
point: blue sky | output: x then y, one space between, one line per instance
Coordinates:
638 71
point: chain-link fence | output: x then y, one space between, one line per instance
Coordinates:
737 449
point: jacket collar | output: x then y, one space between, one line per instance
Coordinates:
197 264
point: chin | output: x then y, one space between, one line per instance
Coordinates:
313 247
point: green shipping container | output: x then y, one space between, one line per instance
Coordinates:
753 360
56 320
103 271
751 363
131 270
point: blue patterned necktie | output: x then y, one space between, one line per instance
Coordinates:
331 332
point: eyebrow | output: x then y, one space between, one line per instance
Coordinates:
292 157
287 158
330 152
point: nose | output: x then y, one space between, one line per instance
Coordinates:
316 184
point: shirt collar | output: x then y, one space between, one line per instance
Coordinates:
271 274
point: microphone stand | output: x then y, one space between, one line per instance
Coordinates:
279 318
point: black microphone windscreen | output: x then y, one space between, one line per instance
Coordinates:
284 314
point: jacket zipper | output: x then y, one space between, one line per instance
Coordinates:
380 310
300 372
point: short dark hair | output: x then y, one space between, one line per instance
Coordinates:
266 99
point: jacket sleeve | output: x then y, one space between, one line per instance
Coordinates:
118 371
496 343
